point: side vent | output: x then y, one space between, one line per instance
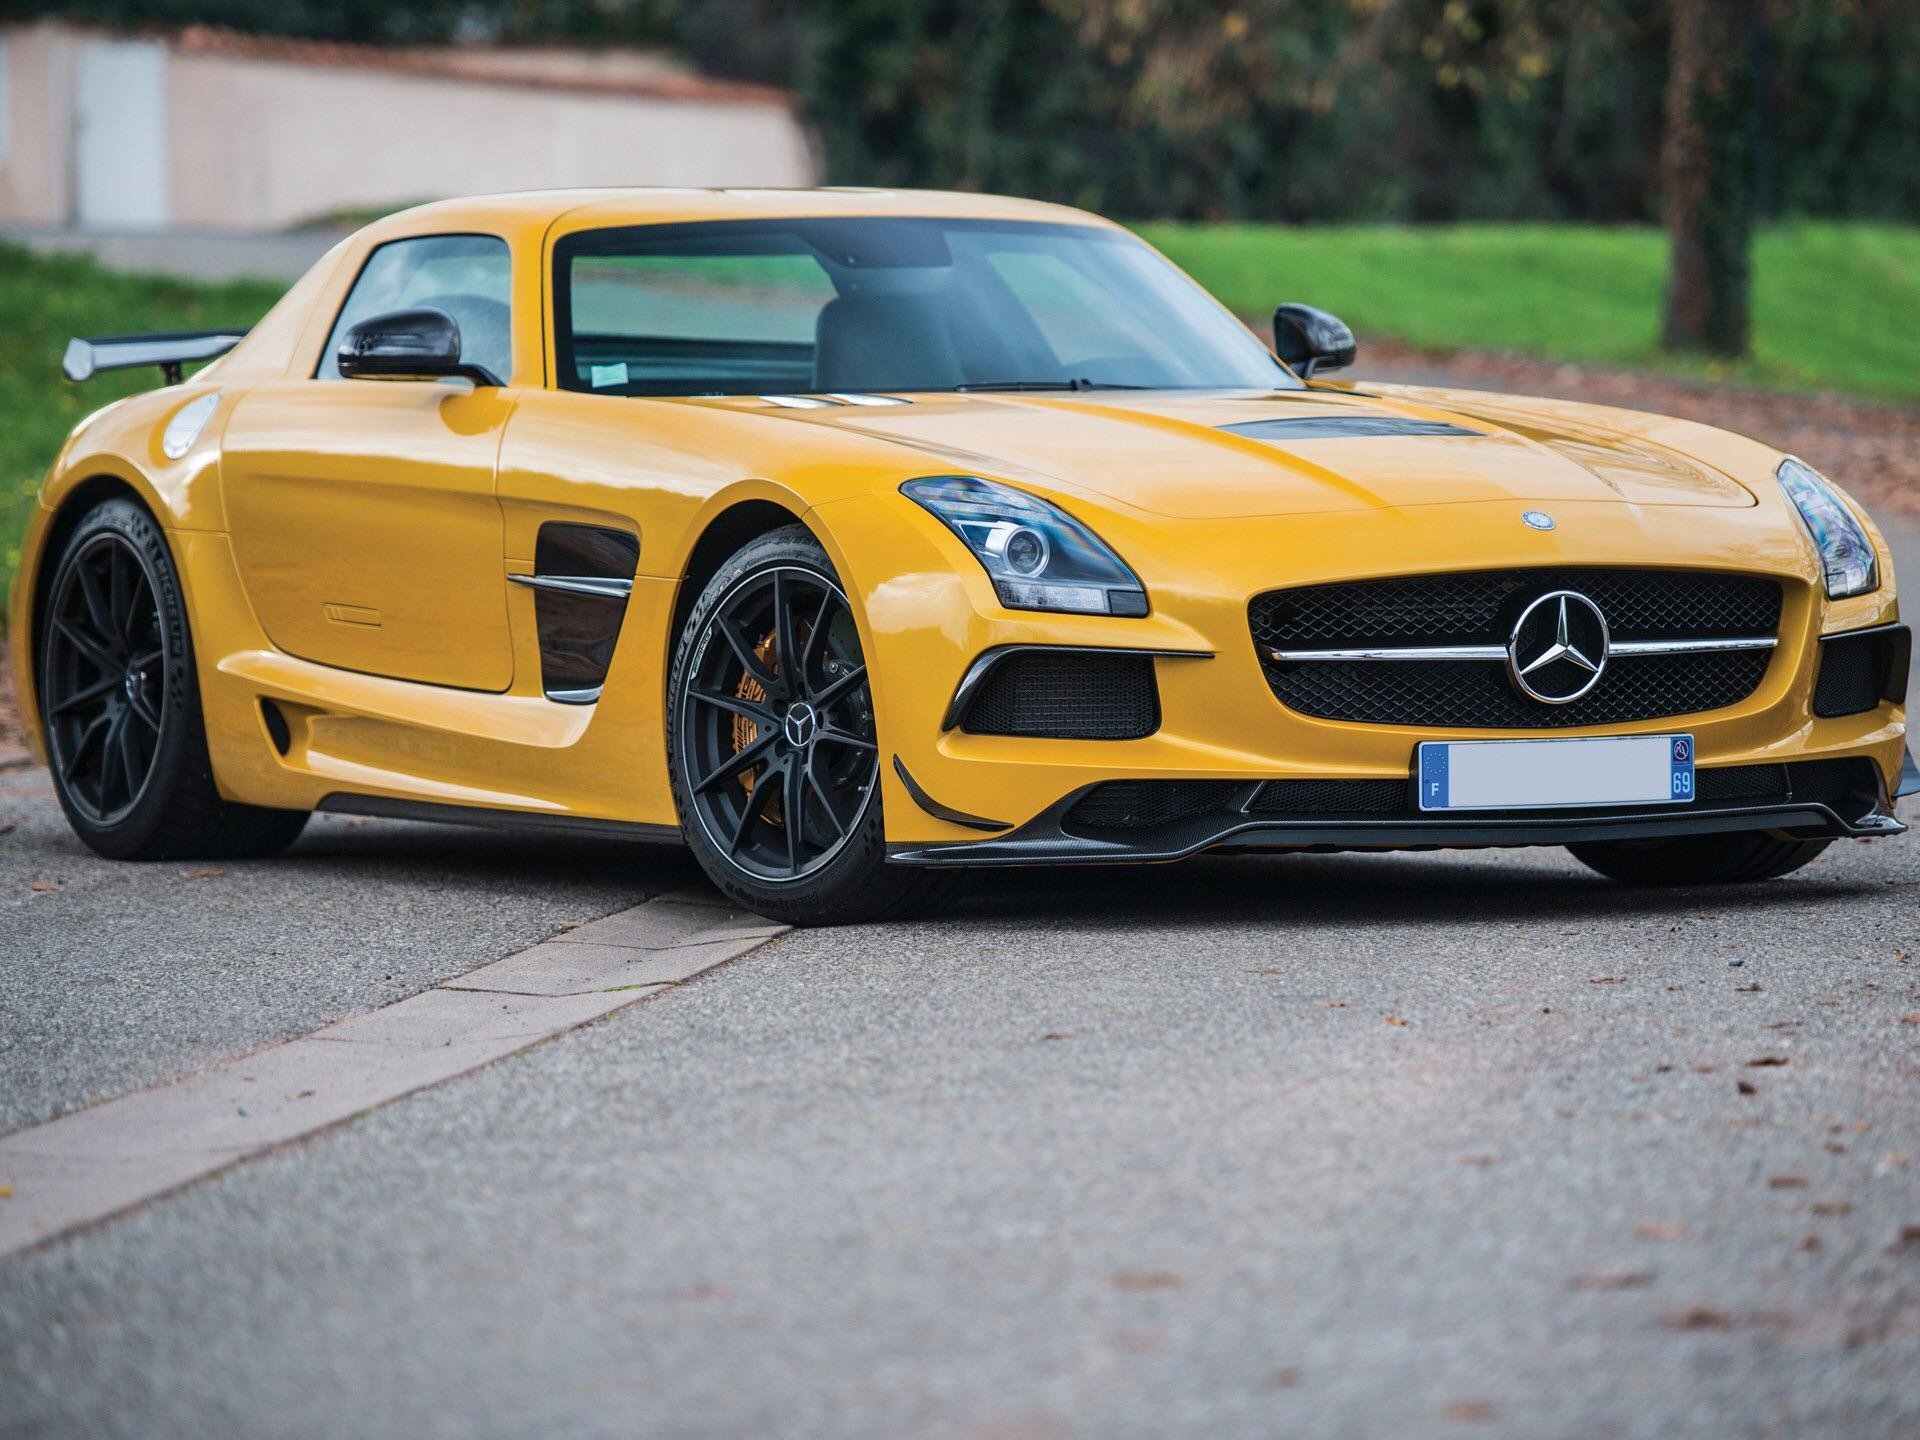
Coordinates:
278 730
582 578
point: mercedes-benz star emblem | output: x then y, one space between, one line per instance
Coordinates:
1558 648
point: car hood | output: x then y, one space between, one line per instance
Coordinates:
1219 455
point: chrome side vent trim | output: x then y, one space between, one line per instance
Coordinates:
582 578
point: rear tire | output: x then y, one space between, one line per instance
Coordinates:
120 704
1699 859
774 760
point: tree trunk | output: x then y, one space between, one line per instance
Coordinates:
1707 169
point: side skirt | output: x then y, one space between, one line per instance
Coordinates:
342 802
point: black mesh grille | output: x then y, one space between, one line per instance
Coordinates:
1477 695
1067 695
1857 672
1846 785
1480 609
1143 804
1333 797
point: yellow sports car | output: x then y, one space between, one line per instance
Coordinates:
859 536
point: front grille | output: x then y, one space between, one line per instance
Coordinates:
1858 671
1481 609
1848 786
1066 695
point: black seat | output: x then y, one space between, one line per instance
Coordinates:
884 342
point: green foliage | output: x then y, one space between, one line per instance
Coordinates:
1299 110
44 302
1822 296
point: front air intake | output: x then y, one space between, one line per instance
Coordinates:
1860 670
1065 695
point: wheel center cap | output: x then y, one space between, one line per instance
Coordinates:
801 725
133 684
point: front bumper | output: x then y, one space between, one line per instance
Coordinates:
929 615
1831 799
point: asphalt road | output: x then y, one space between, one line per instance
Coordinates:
1339 1145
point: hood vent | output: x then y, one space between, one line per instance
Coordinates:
1342 427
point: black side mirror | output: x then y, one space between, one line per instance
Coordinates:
1309 339
422 344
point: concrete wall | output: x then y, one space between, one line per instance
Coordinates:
241 141
36 168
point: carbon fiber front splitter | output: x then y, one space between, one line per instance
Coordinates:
1051 838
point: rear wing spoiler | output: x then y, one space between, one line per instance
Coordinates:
170 350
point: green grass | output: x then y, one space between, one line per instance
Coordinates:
1835 308
44 302
1833 303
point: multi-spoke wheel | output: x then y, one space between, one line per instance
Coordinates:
104 680
121 708
776 763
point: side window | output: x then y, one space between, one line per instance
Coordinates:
467 276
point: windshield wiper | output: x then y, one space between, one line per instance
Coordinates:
1075 384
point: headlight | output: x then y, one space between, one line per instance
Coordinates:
1845 552
1039 557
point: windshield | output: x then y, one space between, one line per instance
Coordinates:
882 304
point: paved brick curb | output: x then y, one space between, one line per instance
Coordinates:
96 1163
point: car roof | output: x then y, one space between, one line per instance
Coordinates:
568 210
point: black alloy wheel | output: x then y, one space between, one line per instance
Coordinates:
772 745
120 703
105 677
777 723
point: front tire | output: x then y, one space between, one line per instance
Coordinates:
1699 859
120 704
771 746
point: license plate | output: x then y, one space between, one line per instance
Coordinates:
1551 774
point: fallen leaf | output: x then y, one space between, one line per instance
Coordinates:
1697 1317
1810 1244
1333 1005
43 887
1054 1035
204 874
1761 1062
1468 1412
1703 1069
1746 1087
1786 1182
1479 1159
1660 1230
1396 1020
1834 1147
303 1095
1618 1280
1912 1018
6 1192
1908 1238
1606 980
1746 989
1830 1207
1138 1280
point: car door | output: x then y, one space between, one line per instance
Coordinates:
363 513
